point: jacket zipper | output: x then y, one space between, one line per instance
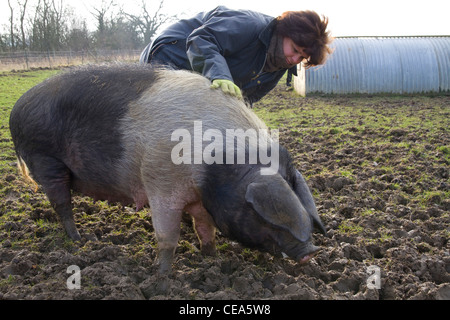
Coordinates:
260 71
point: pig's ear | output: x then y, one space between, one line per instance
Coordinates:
305 196
273 199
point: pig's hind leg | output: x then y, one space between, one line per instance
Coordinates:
55 178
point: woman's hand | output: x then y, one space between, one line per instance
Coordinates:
227 86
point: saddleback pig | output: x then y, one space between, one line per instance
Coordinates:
113 133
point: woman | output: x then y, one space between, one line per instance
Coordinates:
243 52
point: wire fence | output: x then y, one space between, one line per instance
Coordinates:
50 59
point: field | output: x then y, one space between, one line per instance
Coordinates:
378 167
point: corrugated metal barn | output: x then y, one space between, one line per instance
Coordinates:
381 65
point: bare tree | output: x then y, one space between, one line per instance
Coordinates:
49 25
15 41
11 25
58 13
78 37
105 24
148 23
100 14
23 8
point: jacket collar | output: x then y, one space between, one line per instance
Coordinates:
266 34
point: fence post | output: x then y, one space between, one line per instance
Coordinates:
48 59
26 59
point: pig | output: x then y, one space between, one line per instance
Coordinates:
107 132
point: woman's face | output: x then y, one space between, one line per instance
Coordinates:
293 53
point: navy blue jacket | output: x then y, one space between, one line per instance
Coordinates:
222 44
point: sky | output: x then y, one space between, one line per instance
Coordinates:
346 17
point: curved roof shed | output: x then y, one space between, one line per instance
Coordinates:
381 65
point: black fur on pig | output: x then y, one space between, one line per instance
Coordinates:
56 129
64 111
224 196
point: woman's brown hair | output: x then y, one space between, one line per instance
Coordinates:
307 30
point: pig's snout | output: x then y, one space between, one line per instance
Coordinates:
307 251
300 252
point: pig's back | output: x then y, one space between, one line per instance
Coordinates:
175 101
178 98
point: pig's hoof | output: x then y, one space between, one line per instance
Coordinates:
164 268
162 286
155 285
74 235
71 230
209 249
164 261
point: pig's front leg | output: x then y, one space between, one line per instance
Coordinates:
166 219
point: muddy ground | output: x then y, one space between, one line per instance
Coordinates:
379 171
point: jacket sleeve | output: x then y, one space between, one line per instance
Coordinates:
223 33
